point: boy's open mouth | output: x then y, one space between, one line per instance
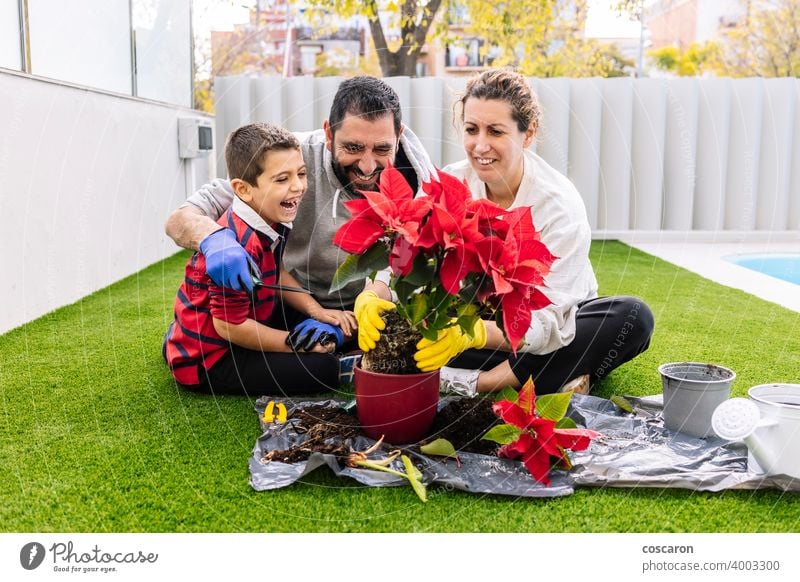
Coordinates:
291 204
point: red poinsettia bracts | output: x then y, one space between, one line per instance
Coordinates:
539 442
390 209
466 244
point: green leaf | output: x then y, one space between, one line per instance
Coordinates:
622 402
419 308
502 434
345 273
357 267
415 478
429 334
422 271
374 259
439 448
507 393
404 290
467 323
566 422
553 406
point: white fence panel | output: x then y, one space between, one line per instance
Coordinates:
744 152
428 115
267 96
794 184
300 100
324 90
647 154
234 108
776 149
680 154
615 155
585 130
553 134
712 154
452 150
402 85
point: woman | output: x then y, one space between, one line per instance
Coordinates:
580 336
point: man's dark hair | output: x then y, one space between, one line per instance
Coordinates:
367 97
248 146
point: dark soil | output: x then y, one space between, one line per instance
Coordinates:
463 422
394 353
328 430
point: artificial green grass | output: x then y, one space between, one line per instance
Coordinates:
97 437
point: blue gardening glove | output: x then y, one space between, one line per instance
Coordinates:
432 355
227 263
310 332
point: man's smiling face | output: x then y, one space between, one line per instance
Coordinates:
361 149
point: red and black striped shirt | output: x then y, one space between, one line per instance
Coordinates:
191 339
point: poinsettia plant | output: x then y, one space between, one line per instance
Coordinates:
452 259
537 430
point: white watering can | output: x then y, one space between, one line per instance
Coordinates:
768 423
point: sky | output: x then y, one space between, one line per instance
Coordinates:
603 21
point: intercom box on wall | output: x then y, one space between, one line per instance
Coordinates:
195 137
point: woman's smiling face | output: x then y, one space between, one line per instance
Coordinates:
493 142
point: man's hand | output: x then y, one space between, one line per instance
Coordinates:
432 355
310 332
368 309
227 263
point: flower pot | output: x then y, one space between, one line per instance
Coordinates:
692 392
399 407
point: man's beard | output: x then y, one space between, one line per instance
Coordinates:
341 172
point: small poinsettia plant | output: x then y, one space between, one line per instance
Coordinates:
452 259
537 431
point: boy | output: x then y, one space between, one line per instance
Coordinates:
220 341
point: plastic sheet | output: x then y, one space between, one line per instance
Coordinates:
634 451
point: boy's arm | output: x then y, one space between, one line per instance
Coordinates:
308 305
256 336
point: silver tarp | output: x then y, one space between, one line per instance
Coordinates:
634 451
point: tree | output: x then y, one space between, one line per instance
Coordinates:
542 38
766 44
340 63
697 59
398 54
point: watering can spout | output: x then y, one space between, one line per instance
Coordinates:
738 419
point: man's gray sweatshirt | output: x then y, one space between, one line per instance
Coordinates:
310 256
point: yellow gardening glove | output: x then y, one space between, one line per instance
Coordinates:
432 355
368 309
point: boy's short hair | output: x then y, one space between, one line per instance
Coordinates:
247 146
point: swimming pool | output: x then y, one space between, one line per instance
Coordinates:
780 266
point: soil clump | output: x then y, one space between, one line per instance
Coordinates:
394 352
463 422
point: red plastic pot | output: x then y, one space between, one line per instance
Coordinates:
401 407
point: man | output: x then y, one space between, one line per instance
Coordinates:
362 134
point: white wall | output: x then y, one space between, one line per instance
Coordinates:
86 182
675 155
